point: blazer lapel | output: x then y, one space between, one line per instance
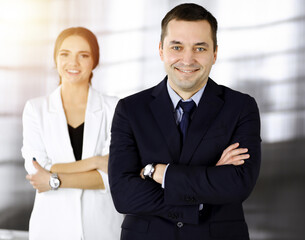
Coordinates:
206 112
93 119
58 128
163 112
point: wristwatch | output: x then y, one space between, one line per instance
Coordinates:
149 170
54 181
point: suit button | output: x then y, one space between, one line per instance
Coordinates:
179 224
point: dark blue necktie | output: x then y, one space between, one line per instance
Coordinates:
188 108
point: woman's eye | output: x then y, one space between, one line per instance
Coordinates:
84 55
63 54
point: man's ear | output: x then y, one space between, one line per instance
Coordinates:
161 50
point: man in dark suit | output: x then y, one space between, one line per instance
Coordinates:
186 153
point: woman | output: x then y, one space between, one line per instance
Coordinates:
73 199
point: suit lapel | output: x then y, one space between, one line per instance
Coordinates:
205 114
58 128
163 112
93 119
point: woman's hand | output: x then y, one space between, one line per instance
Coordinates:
101 163
233 155
39 180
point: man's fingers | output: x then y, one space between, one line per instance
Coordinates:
237 152
141 173
230 148
238 158
232 153
237 163
235 160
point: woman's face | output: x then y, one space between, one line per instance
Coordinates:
74 60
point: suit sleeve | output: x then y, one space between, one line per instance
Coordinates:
130 193
33 145
220 184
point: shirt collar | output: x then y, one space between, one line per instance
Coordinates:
176 98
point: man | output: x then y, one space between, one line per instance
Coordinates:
185 154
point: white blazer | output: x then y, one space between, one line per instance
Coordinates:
69 214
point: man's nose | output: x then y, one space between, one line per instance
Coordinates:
188 57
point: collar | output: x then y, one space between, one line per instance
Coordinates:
176 98
94 103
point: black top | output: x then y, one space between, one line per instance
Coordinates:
76 138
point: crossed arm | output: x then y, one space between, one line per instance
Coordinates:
230 180
231 155
81 174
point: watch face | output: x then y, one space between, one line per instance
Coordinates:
147 169
54 182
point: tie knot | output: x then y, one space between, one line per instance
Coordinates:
187 107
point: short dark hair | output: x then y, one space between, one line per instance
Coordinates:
84 33
189 12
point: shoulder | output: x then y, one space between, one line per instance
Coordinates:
104 99
109 100
231 95
232 99
239 101
41 104
35 109
139 98
36 104
135 104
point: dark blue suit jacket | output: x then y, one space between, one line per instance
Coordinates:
144 131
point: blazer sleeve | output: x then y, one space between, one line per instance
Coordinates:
33 145
109 106
130 193
220 184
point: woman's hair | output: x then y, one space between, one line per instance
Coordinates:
84 33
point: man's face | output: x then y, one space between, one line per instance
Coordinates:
188 55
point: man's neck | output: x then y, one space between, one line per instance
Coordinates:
186 94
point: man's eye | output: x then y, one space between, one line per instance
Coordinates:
200 49
177 48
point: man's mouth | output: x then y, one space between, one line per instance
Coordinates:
187 70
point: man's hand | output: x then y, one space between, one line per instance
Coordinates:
233 155
40 180
158 173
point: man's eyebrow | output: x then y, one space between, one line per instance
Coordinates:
202 44
174 42
196 44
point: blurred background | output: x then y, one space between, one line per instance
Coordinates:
261 52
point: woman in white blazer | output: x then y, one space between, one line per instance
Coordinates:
73 199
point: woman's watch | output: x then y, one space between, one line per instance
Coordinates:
54 181
149 170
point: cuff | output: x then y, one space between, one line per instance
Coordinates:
105 180
163 182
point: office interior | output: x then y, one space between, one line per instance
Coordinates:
261 51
